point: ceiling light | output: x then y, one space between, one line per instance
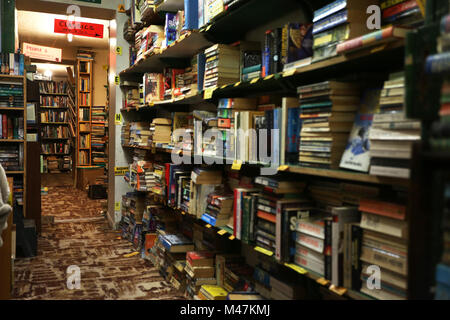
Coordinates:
48 73
69 37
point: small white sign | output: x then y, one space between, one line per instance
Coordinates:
42 52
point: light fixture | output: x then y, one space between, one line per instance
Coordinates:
69 37
48 73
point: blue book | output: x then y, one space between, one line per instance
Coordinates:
209 219
330 22
191 14
438 63
201 61
276 136
293 130
201 13
251 69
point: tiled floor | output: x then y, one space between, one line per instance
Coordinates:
80 236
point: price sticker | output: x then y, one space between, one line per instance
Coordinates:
237 164
283 168
208 27
254 80
231 237
224 86
222 232
208 226
237 83
270 76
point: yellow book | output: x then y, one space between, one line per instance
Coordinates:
215 292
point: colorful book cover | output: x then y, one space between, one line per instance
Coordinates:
356 155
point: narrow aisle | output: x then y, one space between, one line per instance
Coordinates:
80 236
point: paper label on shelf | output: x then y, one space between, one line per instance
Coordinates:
380 48
222 232
270 76
117 206
264 251
208 226
237 164
323 281
231 237
208 93
183 213
338 290
119 50
117 80
120 171
254 80
283 168
289 73
237 83
208 27
296 268
118 119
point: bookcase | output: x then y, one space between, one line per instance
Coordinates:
156 180
84 123
13 144
55 130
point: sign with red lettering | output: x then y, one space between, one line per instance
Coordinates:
85 29
42 52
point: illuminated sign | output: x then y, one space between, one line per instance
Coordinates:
42 52
85 29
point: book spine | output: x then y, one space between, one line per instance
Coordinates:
364 40
355 253
399 8
438 63
330 22
327 249
390 3
252 218
252 69
329 9
191 14
445 24
278 230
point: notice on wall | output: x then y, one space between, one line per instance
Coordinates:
42 52
85 29
118 119
120 171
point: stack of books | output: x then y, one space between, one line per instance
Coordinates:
440 130
131 97
159 174
141 176
99 136
285 289
237 277
402 13
200 270
161 129
384 244
11 127
153 87
140 134
125 133
218 209
336 22
222 66
176 243
203 182
12 63
392 133
11 95
11 158
327 114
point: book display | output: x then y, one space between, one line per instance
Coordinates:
85 109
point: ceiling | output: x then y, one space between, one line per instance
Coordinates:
37 28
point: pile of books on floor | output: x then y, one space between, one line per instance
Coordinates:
200 270
392 134
222 66
327 112
384 244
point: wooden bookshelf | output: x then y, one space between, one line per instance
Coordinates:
84 98
21 173
54 90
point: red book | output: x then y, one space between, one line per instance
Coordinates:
200 259
399 8
382 208
4 126
267 216
10 128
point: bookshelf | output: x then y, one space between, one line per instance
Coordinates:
231 26
13 149
84 111
54 116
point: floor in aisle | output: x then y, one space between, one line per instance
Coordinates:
80 236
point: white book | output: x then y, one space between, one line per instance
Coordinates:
392 227
392 172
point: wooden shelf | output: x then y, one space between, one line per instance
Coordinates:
49 107
170 6
11 109
14 172
47 138
55 154
52 94
12 140
55 123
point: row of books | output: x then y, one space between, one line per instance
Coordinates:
55 148
99 136
54 164
11 157
53 116
11 127
84 84
53 87
12 63
51 101
84 157
85 99
51 131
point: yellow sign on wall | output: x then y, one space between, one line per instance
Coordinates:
120 171
117 206
118 119
119 50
